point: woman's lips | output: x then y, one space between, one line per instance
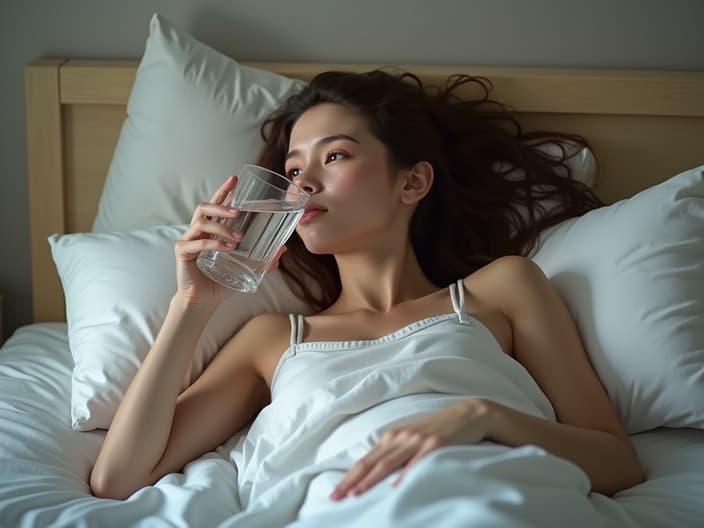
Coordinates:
310 214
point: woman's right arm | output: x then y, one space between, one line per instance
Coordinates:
157 429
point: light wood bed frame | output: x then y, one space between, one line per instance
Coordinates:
645 126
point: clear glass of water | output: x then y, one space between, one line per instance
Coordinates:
270 207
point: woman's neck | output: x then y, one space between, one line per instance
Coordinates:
379 281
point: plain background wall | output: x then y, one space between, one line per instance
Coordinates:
641 34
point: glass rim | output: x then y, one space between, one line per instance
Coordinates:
297 189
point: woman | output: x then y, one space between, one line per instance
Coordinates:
415 211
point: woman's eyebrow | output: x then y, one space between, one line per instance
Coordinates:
322 141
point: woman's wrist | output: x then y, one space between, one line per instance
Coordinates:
481 413
184 305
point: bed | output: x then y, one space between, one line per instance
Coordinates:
101 281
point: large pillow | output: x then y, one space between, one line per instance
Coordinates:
632 275
117 288
193 119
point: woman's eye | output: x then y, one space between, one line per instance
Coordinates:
334 156
292 173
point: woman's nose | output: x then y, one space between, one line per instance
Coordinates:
308 182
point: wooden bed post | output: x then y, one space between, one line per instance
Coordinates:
46 182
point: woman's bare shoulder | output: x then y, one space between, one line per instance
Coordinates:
490 290
509 267
512 283
266 328
501 275
266 336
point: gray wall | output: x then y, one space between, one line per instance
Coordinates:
649 34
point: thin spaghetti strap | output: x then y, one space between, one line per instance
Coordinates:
299 328
457 291
294 328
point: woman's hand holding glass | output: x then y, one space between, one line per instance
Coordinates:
207 232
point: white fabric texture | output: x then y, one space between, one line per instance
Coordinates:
117 288
632 275
44 468
193 119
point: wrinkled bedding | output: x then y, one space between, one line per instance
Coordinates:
255 480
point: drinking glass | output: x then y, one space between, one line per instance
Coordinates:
270 207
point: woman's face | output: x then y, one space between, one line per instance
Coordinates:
333 155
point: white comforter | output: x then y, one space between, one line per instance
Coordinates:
44 467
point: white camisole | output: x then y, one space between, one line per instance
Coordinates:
440 340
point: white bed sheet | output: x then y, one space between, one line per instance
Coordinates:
44 464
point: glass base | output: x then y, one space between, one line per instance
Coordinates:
228 272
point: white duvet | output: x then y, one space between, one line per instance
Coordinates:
255 480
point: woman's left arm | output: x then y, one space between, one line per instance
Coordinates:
546 342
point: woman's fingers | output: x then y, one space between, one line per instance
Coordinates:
207 210
207 229
226 188
206 235
374 467
429 445
187 250
220 201
391 461
275 263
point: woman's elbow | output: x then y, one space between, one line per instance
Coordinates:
636 476
107 486
630 475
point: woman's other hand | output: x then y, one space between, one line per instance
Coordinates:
466 422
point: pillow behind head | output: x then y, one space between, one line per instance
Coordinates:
193 119
632 275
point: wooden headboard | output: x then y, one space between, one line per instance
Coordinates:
645 126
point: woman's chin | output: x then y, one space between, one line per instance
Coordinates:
317 246
318 249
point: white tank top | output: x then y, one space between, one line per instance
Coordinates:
440 339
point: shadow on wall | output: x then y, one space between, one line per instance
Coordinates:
239 36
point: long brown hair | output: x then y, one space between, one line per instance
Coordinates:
477 209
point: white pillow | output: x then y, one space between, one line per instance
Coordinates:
117 288
193 119
632 275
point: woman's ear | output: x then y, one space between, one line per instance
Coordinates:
417 182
